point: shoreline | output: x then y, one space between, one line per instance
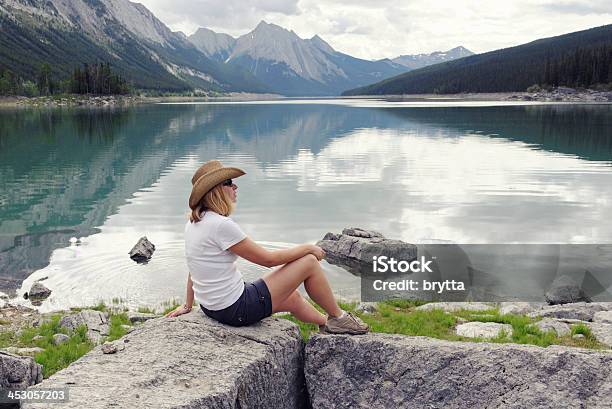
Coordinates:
560 95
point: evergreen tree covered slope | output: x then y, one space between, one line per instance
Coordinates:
67 33
583 58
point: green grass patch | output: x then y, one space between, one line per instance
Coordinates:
146 310
402 317
56 357
116 330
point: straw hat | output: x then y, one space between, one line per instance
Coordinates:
208 176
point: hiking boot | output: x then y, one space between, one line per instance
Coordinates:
347 324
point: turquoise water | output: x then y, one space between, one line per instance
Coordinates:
466 172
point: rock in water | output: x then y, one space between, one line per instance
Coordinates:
142 251
565 290
355 248
390 371
38 291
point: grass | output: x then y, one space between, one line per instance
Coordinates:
56 357
402 317
146 310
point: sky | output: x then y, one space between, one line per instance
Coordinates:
374 29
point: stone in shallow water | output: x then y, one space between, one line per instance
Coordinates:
38 291
142 250
483 329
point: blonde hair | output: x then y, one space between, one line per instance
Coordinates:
216 200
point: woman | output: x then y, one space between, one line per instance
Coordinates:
213 242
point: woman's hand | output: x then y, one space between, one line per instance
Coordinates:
317 251
180 310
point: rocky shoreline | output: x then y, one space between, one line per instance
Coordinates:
192 361
559 94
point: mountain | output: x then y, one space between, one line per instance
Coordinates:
214 45
291 65
582 58
67 33
423 60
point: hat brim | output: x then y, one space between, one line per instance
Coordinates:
210 180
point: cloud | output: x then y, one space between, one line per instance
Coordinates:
388 28
580 7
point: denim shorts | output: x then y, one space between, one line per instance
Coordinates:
254 304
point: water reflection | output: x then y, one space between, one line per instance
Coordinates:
472 175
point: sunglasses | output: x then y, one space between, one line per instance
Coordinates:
228 182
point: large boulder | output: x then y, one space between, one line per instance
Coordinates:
355 248
565 290
190 362
18 372
388 371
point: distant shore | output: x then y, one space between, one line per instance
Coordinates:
560 94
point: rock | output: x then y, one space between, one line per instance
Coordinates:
565 290
142 250
483 329
38 291
455 306
37 338
602 333
366 308
95 321
355 248
112 347
30 351
578 311
389 371
549 324
579 337
191 361
140 316
60 339
603 317
18 372
519 308
127 328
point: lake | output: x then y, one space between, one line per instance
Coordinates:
468 172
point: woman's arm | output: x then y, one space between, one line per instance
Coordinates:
185 308
253 252
189 296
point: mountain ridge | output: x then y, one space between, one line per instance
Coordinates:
292 65
567 59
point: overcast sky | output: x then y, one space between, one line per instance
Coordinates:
375 29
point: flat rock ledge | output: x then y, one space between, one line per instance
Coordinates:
190 362
391 371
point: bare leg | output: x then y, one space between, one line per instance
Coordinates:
301 309
283 281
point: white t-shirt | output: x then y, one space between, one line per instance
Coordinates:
217 283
